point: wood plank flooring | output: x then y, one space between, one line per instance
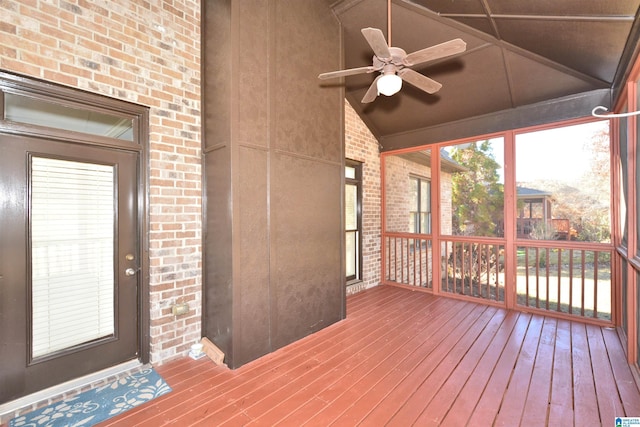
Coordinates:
408 358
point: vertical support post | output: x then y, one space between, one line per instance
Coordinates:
632 209
383 221
510 211
436 241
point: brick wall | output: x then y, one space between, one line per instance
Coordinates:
397 174
398 203
446 208
146 52
405 262
362 146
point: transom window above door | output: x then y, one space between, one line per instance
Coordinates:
25 108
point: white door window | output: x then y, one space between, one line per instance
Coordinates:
72 251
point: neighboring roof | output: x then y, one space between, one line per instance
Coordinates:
524 192
527 62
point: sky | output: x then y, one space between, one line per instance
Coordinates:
553 154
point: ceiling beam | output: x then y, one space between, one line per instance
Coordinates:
557 110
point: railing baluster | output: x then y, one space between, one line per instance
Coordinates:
583 282
414 262
464 267
444 267
526 271
473 262
447 265
401 261
470 269
570 281
595 282
392 262
548 272
537 278
582 267
422 265
559 297
454 248
395 259
388 258
480 270
488 287
420 270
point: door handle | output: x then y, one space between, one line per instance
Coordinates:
130 272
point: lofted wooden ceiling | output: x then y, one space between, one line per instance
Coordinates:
526 62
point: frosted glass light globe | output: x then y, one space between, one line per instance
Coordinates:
389 84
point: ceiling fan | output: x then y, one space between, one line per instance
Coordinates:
394 64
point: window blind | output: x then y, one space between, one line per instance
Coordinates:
72 252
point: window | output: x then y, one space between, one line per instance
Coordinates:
72 232
420 211
41 112
353 219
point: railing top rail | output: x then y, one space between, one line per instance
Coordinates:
407 235
474 239
563 244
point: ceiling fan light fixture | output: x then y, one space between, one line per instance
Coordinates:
389 84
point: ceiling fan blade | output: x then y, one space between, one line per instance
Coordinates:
376 40
418 80
349 72
435 52
372 92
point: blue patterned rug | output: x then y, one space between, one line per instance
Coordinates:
96 405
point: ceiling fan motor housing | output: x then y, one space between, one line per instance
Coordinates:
397 59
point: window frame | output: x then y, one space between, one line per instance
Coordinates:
417 214
357 181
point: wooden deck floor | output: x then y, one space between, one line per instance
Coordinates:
408 358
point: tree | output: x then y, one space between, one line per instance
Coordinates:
595 225
586 201
477 195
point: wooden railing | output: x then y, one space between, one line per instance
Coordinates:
566 280
552 229
474 269
408 259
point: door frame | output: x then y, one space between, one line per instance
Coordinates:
139 115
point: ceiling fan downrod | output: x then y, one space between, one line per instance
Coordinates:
389 22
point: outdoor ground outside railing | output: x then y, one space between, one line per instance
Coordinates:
408 259
473 268
565 279
571 279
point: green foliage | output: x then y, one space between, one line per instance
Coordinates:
477 196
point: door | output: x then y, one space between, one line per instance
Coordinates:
69 257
